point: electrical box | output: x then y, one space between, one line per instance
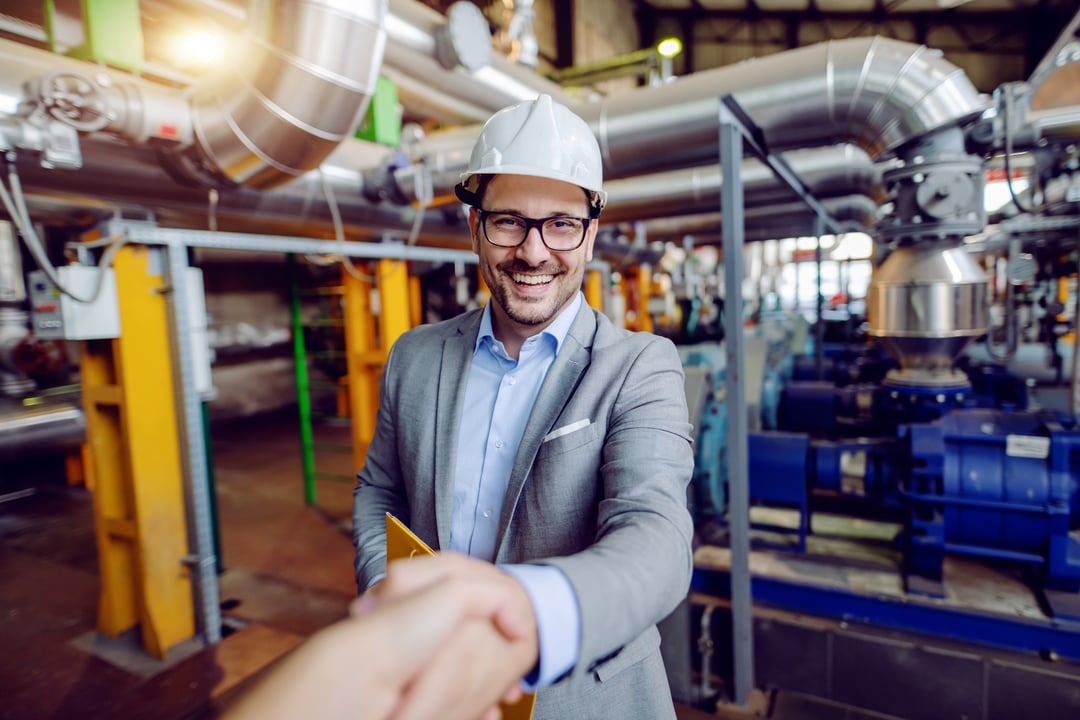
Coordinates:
57 316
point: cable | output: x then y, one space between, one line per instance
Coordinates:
339 230
15 204
1008 152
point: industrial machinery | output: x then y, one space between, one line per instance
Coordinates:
125 175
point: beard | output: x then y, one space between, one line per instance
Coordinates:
529 310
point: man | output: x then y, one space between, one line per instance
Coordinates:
535 434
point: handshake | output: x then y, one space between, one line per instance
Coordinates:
445 636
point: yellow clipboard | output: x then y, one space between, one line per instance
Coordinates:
402 543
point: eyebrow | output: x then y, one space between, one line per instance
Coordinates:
560 213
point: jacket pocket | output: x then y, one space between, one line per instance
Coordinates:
646 644
572 440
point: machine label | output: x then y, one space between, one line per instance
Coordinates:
1028 446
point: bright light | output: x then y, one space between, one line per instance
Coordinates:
669 47
997 194
198 48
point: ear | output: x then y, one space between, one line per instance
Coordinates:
590 239
475 229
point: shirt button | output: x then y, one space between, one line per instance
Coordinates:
510 379
487 513
498 443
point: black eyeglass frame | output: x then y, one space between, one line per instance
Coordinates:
531 223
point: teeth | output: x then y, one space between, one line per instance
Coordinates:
532 279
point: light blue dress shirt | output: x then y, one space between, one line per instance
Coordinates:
499 397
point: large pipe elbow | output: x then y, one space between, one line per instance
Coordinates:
303 80
876 93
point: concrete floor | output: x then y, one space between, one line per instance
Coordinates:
286 571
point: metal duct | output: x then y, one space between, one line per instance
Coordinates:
125 179
826 172
876 93
768 222
300 87
456 95
39 429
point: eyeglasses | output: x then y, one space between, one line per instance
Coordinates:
559 232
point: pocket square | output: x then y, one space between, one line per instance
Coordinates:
567 429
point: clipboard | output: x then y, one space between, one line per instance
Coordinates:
402 543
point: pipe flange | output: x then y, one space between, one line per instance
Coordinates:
465 39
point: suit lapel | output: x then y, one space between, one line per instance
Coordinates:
561 381
453 373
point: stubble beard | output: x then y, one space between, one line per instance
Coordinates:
529 311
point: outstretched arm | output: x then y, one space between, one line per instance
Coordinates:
446 609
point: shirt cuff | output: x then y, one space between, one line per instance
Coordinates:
558 621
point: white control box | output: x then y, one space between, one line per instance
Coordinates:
58 316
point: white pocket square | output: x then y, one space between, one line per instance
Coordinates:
567 429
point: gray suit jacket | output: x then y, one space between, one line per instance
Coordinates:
605 502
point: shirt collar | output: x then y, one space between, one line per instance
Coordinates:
557 330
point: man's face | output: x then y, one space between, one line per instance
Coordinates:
529 283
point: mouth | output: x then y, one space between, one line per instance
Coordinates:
532 281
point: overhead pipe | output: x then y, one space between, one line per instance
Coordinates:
875 93
293 92
853 92
38 429
856 213
412 30
826 172
300 87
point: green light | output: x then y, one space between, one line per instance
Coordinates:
669 47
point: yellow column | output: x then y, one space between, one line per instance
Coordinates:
360 350
136 464
368 337
594 289
637 286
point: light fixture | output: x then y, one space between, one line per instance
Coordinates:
669 47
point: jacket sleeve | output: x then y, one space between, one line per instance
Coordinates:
639 567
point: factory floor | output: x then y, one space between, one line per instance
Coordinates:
286 570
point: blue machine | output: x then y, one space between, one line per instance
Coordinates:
984 482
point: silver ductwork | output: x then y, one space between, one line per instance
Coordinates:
875 92
453 94
826 172
38 429
855 213
300 85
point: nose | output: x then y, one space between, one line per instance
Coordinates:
533 250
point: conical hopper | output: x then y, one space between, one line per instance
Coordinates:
927 303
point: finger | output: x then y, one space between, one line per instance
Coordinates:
485 590
465 677
513 694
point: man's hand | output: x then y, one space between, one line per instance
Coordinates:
484 659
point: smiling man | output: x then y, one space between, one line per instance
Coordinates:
537 436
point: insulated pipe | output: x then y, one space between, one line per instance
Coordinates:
297 90
874 92
766 222
828 171
39 429
117 177
411 29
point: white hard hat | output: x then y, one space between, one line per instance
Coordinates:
541 138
